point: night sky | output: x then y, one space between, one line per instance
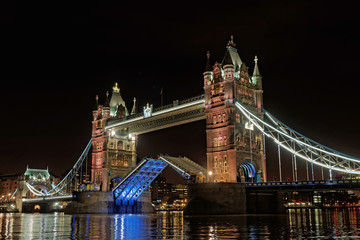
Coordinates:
56 58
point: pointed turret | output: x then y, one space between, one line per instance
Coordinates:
133 110
96 103
227 59
208 71
116 100
208 66
107 101
256 77
232 56
96 106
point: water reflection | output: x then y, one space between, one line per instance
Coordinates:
296 224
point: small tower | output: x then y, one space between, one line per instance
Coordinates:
98 161
208 78
95 109
257 80
133 110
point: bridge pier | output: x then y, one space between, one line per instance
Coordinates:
216 198
103 202
265 202
231 198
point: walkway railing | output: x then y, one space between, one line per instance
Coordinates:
297 183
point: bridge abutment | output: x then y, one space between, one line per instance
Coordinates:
216 198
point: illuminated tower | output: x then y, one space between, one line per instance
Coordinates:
98 162
113 153
234 148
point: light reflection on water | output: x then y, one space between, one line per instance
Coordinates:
296 224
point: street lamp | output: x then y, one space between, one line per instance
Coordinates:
210 173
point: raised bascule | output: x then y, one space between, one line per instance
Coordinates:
234 180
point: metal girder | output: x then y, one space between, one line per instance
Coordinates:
67 179
133 184
301 146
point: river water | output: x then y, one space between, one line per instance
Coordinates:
295 224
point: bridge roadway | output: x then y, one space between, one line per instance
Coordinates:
341 184
180 112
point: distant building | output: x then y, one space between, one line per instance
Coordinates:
8 184
161 191
180 190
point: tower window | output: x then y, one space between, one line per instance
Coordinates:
220 141
215 142
238 118
120 145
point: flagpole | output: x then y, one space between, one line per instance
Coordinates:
161 93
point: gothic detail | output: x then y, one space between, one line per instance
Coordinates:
227 137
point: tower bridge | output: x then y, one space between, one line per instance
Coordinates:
236 128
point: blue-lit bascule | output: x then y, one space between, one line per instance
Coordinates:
129 189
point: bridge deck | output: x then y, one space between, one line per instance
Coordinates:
306 185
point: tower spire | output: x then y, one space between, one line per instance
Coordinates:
256 77
231 42
256 68
107 101
96 103
116 88
208 64
133 110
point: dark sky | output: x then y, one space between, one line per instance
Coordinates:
56 58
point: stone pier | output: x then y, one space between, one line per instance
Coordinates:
103 202
216 198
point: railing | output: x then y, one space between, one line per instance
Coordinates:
297 183
53 198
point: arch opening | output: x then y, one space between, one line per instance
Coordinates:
247 172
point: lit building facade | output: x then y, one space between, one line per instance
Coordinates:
235 149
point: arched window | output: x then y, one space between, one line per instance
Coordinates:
214 119
120 145
238 118
220 141
215 142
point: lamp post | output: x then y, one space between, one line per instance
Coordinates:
210 173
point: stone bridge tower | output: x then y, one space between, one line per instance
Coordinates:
235 149
113 153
